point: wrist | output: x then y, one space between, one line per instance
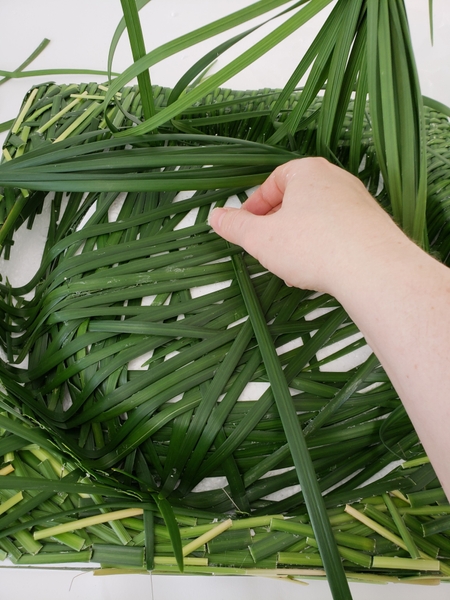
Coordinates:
370 269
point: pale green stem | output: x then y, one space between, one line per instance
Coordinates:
7 470
11 502
415 564
23 112
87 522
206 537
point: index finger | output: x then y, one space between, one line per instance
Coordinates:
269 196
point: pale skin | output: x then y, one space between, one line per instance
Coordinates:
316 226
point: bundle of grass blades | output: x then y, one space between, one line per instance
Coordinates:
59 516
137 303
144 329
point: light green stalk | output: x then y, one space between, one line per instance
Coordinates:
206 537
87 522
10 502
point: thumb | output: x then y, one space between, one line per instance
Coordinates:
234 224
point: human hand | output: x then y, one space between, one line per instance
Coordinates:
315 226
309 223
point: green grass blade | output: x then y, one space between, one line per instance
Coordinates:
149 531
118 34
401 527
133 23
359 115
299 451
246 58
390 126
333 90
430 14
169 518
47 72
6 125
45 42
419 217
192 38
350 387
436 105
325 37
202 64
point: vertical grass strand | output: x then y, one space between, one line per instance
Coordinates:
302 460
133 23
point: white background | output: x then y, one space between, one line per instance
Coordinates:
80 33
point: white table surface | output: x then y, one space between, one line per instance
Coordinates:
80 33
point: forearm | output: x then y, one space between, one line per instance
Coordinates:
400 299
